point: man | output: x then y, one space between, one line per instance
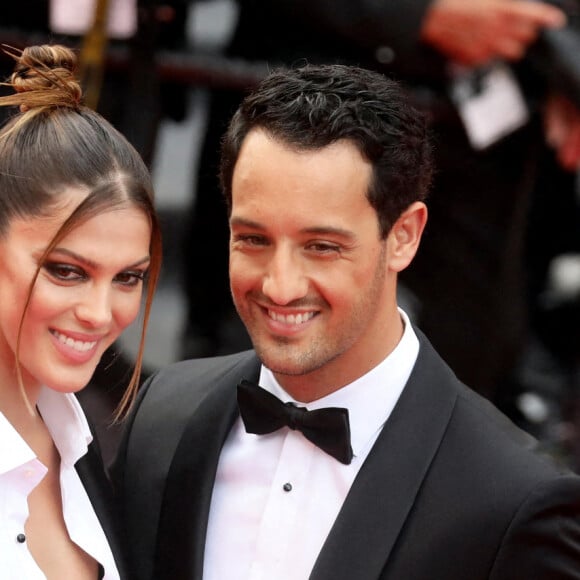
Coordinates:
413 476
481 247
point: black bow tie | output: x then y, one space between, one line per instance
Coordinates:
327 428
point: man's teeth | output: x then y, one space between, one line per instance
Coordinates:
291 318
79 345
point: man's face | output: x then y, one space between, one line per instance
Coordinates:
309 273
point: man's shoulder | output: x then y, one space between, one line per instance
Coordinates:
208 364
170 397
195 376
477 431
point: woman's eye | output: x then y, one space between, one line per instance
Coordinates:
64 272
131 278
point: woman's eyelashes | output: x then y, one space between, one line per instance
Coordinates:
130 277
64 272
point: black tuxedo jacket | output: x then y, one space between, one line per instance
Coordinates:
450 491
98 487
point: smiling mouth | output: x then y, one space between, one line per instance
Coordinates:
291 318
78 345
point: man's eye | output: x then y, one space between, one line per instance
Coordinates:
64 272
250 239
130 278
323 247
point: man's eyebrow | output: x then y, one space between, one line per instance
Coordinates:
91 263
245 222
332 230
248 223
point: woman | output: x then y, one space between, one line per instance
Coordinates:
78 235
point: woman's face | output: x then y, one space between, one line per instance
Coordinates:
87 292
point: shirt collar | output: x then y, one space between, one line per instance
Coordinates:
14 451
369 399
67 424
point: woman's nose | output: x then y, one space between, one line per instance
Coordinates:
94 309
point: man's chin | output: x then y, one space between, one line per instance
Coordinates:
286 360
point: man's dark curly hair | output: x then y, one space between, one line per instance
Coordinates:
313 106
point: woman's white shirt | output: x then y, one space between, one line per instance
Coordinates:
21 472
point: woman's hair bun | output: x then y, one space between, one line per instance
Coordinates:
44 76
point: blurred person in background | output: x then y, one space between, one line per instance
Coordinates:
126 89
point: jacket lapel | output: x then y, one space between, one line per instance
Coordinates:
92 474
187 496
384 490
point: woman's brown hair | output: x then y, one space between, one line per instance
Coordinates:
52 143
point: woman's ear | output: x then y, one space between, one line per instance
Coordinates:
405 235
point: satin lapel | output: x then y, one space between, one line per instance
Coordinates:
383 492
186 501
97 486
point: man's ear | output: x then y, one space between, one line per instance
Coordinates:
405 235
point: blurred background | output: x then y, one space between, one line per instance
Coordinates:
496 285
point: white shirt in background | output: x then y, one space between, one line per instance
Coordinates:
76 17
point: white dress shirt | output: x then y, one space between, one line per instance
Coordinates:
66 17
20 473
277 496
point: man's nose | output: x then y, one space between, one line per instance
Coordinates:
284 279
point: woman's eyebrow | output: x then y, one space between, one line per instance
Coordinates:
90 263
